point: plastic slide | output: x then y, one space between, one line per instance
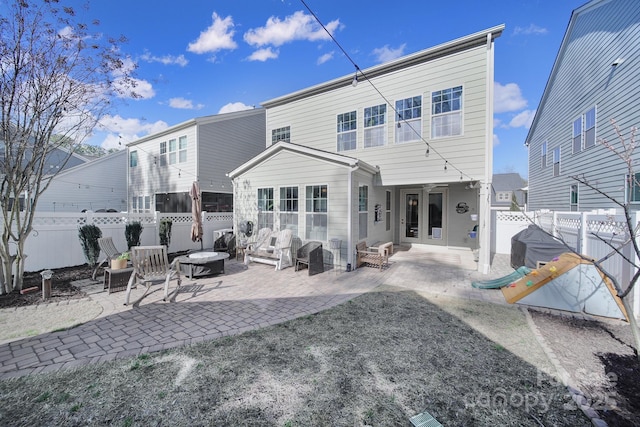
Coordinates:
500 282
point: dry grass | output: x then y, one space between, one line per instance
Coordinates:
376 360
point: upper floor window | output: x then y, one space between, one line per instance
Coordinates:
577 135
543 154
573 197
409 119
281 134
347 131
177 153
163 153
503 196
590 128
446 112
374 125
556 161
265 208
133 159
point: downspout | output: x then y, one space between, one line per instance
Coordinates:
350 245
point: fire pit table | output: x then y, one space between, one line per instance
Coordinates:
203 263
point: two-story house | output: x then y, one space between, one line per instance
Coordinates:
595 79
163 166
509 191
402 154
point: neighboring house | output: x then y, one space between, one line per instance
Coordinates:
163 166
595 78
509 189
390 159
100 184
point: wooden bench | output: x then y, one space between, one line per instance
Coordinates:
377 258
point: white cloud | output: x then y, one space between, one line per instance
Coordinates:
324 58
121 131
531 29
217 37
234 106
184 104
298 26
507 98
523 119
496 140
134 88
166 59
386 54
263 54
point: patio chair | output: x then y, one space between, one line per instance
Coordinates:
310 254
276 250
151 265
377 259
109 250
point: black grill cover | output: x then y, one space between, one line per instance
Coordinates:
532 245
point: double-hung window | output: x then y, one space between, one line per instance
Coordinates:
281 134
577 135
347 125
363 211
543 154
446 112
408 119
133 159
316 212
633 188
265 208
163 153
374 125
289 209
573 197
173 152
590 128
182 149
556 161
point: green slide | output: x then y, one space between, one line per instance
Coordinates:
502 281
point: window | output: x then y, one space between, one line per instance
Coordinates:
590 128
141 204
347 131
374 128
182 149
577 135
446 112
556 161
316 212
172 152
163 153
543 154
409 119
217 202
133 159
387 219
289 209
633 188
363 210
504 196
281 134
265 208
573 197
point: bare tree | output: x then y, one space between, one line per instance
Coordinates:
58 78
624 151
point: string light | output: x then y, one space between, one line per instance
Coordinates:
445 164
426 153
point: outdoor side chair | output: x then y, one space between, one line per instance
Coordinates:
109 250
151 265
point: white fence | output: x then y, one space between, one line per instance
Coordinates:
591 234
54 241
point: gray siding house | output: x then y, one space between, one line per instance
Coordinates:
508 189
403 155
163 166
595 79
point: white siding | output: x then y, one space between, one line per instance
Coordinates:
584 77
100 184
313 119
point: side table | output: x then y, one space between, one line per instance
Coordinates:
240 252
117 280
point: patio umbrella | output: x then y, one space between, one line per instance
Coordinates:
196 213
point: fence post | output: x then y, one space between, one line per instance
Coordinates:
584 233
156 218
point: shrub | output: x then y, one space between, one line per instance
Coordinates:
89 235
132 232
165 232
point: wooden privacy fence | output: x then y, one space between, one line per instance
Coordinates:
54 241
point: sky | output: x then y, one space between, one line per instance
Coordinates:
197 58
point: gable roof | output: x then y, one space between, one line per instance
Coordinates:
508 182
350 162
593 4
445 49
